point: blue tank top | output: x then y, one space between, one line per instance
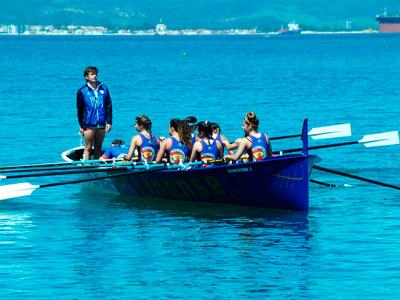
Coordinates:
194 139
209 152
259 148
178 152
218 138
149 148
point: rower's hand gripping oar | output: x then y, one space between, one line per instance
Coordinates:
326 132
371 140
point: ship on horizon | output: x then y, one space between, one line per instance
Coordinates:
292 28
388 23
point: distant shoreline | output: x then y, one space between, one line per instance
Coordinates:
201 34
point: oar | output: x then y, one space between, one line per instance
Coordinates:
25 188
112 168
75 162
103 169
72 167
323 183
65 163
326 132
56 168
356 177
372 140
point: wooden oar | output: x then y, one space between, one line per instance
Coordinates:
25 188
372 140
326 132
356 177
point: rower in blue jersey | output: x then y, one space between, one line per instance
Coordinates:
117 150
192 122
255 143
145 142
216 134
177 147
206 148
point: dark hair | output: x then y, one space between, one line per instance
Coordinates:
205 128
91 69
214 126
251 119
145 122
191 120
183 130
118 142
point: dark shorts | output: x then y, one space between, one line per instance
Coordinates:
94 127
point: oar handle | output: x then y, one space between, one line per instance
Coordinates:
356 177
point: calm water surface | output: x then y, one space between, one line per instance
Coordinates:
74 242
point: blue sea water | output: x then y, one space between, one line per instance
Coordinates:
71 242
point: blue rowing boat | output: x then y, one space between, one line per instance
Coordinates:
280 182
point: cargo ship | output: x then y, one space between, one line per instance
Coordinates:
388 24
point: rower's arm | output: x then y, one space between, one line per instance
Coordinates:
161 152
132 148
269 146
239 152
196 149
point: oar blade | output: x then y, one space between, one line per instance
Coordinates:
328 132
380 139
17 190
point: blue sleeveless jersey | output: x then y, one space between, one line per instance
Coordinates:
116 151
149 148
194 139
218 138
209 152
259 148
178 152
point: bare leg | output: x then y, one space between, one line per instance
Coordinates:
88 135
98 141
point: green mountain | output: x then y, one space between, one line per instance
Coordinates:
214 14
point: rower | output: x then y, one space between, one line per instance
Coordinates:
177 147
256 144
216 134
192 122
206 148
117 150
145 142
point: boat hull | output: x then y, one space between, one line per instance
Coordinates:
279 182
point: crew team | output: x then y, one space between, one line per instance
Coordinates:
184 144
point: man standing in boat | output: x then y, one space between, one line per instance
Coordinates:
94 107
